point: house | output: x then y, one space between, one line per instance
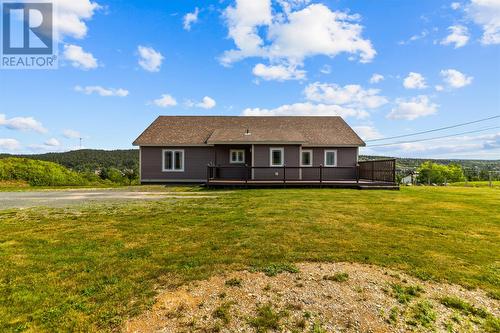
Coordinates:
225 149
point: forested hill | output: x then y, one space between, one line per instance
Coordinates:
90 159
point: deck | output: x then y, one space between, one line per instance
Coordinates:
354 184
366 175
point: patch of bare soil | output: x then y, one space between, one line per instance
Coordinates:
337 297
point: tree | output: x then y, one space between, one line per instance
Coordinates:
433 173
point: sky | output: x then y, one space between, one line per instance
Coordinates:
388 67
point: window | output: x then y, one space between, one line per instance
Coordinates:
236 156
276 157
330 158
173 160
306 158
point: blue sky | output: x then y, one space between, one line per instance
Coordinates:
388 67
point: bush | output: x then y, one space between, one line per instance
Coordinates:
433 173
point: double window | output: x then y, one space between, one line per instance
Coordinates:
330 158
306 158
173 160
276 157
237 156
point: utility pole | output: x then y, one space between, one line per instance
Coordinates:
81 143
489 178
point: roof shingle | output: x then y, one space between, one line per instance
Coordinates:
199 130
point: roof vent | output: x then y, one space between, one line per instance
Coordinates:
248 132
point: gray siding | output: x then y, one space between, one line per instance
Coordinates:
196 160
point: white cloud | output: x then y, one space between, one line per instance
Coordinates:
22 124
207 103
326 69
486 13
455 79
105 92
367 132
52 142
459 36
79 58
439 87
190 19
9 144
455 5
413 108
376 78
71 134
413 38
278 72
71 16
149 59
306 109
292 35
165 101
414 81
352 95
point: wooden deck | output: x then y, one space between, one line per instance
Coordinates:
361 184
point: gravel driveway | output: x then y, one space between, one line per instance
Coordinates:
61 198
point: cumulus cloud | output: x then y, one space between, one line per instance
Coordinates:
165 101
367 132
278 72
71 16
455 79
486 13
207 103
414 81
410 109
71 134
190 19
22 124
149 59
455 5
79 58
52 142
352 95
9 144
292 34
101 91
459 36
326 69
306 109
376 78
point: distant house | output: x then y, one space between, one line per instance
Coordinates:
225 149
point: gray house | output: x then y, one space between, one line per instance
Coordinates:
234 150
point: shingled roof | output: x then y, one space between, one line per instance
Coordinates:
200 130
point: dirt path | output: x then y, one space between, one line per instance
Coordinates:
61 198
340 297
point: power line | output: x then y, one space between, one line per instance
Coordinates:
435 130
434 138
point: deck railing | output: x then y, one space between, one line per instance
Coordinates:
382 170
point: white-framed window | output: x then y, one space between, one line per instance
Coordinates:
330 158
173 160
306 158
277 157
237 156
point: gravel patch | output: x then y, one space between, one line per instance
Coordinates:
320 297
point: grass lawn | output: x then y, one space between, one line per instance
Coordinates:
89 268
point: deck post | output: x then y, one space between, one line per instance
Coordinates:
246 175
208 175
357 174
284 175
321 175
373 170
394 171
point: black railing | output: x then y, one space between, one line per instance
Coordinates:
378 170
382 171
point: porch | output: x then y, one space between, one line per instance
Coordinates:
380 174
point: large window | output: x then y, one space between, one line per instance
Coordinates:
173 160
236 156
330 158
277 157
306 158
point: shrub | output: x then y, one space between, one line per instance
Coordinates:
434 173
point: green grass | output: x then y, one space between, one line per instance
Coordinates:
495 184
422 314
337 277
90 267
404 294
267 318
